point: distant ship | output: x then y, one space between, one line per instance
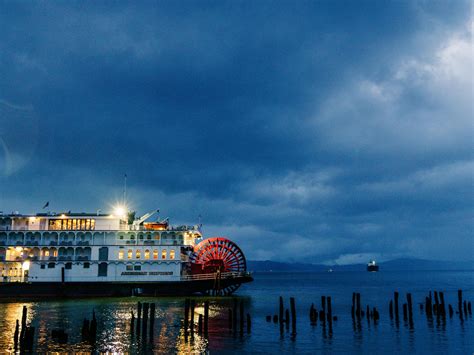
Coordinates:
372 266
92 254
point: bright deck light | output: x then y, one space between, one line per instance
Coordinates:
26 265
120 211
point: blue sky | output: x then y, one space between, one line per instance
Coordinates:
316 131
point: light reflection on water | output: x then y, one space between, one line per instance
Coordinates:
260 299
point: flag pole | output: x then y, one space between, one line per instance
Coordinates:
124 189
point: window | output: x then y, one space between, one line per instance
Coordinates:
172 254
46 253
104 254
147 254
138 254
120 255
43 266
129 267
121 237
68 266
130 254
87 265
137 267
155 254
51 266
163 254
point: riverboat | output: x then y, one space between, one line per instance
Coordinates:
94 254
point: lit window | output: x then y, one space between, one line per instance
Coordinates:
129 253
138 254
163 254
147 254
129 267
46 253
155 254
172 254
120 255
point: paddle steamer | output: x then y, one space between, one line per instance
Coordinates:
94 254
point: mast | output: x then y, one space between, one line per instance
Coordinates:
124 189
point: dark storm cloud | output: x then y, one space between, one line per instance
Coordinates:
314 130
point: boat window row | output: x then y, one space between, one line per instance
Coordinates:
11 271
147 254
72 224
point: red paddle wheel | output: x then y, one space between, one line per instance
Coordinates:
217 256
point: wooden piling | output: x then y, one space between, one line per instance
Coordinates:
206 318
85 330
328 301
24 316
410 307
469 309
395 301
353 304
200 324
429 309
451 311
16 334
249 323
139 316
358 309
436 306
191 317
460 303
132 324
146 307
93 328
465 308
29 338
186 317
323 309
390 309
376 315
293 315
280 314
442 304
287 319
152 319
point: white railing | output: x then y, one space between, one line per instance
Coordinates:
213 276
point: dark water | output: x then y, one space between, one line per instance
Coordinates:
454 336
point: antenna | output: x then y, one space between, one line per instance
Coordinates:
124 189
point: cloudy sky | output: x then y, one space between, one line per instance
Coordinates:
316 131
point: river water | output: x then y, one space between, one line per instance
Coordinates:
261 298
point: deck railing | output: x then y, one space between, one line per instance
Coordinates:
213 276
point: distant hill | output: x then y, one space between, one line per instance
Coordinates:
392 265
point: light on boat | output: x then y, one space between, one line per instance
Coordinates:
120 211
26 265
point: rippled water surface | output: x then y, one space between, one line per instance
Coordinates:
261 298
